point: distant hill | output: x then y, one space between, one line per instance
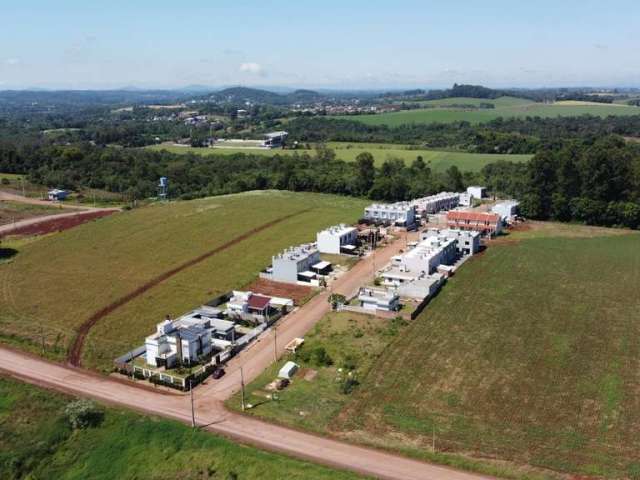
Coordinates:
257 95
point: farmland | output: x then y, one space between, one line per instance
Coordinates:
63 279
438 160
448 110
487 378
36 441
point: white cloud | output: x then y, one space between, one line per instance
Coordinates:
252 68
12 61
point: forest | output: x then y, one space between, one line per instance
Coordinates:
595 181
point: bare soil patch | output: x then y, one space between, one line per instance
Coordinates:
298 293
57 224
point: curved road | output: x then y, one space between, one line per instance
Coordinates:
211 415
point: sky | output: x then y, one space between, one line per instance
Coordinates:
82 44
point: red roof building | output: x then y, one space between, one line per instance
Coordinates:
258 303
483 222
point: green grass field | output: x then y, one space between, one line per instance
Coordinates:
36 442
352 341
530 354
56 283
439 160
506 107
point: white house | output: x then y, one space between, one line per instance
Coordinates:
402 214
466 199
186 340
56 194
427 255
294 264
436 203
334 239
171 345
476 191
467 241
372 298
275 139
507 210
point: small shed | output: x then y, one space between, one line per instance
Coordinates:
57 194
288 370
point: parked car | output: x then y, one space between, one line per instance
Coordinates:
217 373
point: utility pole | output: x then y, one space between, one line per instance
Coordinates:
42 337
193 412
275 343
433 438
133 376
23 192
242 387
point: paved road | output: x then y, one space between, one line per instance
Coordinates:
212 416
78 211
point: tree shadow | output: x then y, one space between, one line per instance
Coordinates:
7 253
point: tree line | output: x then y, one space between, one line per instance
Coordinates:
595 181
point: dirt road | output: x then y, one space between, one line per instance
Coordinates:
261 354
78 212
210 413
212 416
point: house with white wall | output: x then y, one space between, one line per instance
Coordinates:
373 298
507 210
301 263
334 239
436 203
196 335
467 241
477 191
402 214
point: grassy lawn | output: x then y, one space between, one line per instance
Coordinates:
315 398
56 283
529 355
441 111
348 151
36 442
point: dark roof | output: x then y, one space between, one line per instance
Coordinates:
259 302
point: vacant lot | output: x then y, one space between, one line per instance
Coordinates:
529 354
36 441
54 285
351 343
438 160
449 110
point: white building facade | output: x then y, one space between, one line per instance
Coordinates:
436 203
467 241
400 213
334 239
507 210
293 264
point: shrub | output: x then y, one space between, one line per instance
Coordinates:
83 414
320 357
350 363
348 385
